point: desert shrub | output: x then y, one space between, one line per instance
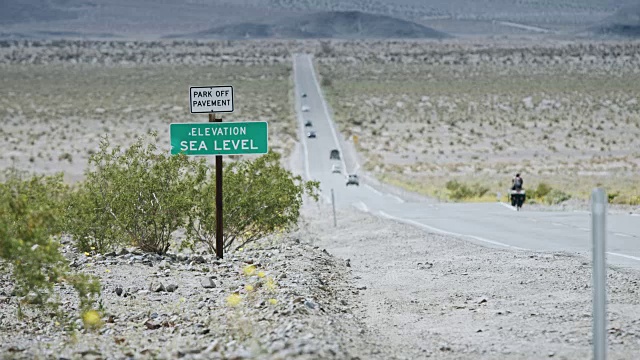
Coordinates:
619 199
556 196
260 198
31 213
459 191
137 196
542 190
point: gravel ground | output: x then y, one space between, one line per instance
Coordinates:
431 296
390 292
178 306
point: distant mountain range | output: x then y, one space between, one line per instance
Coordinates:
257 19
330 24
625 23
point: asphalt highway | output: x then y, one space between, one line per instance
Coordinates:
491 224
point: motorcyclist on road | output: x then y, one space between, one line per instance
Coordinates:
516 182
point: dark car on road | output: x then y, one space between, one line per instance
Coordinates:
334 155
311 134
308 123
352 179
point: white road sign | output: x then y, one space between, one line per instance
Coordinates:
210 99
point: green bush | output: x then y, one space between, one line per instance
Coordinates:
458 191
542 190
138 196
556 197
31 213
260 198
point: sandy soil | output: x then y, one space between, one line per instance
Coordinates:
429 296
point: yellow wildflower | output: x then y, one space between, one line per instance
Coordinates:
261 274
248 287
91 319
270 284
273 301
249 270
234 299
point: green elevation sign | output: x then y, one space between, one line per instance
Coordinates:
232 138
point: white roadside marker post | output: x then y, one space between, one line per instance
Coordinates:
333 203
598 234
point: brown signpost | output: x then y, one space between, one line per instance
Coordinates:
219 231
233 138
212 99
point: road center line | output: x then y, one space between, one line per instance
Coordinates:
305 150
624 256
444 232
328 115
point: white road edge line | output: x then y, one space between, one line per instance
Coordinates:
624 256
361 206
301 124
373 189
398 199
507 206
525 27
326 110
444 232
623 235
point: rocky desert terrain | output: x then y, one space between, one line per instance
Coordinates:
58 98
423 114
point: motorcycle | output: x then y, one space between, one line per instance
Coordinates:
517 198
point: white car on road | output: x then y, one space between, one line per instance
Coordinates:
305 108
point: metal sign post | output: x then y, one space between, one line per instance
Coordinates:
219 228
598 233
232 138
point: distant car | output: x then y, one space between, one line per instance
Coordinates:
308 123
335 155
352 179
336 169
311 134
305 108
304 95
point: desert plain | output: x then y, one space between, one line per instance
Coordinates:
421 114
